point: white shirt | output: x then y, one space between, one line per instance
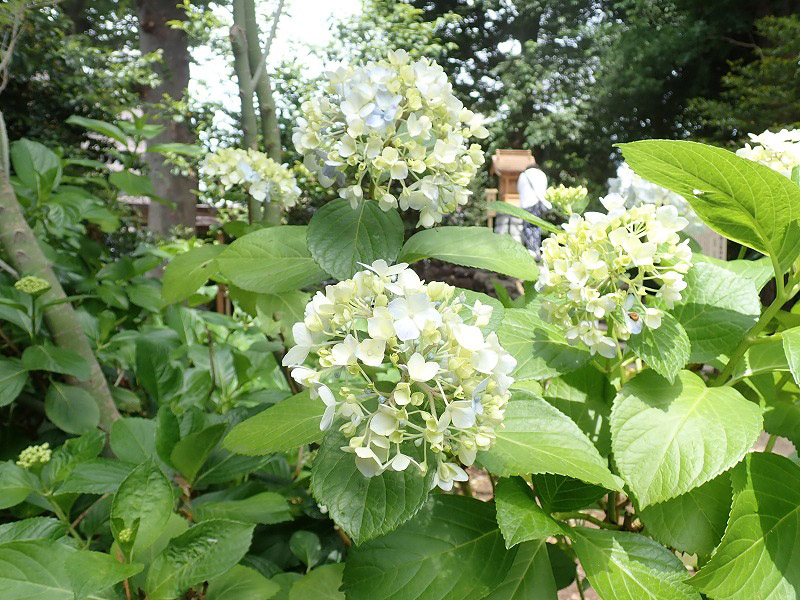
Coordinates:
531 186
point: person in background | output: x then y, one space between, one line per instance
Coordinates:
531 187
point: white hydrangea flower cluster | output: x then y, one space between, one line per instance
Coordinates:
258 175
567 200
779 151
392 131
404 364
606 266
637 190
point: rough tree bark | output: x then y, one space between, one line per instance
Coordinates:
173 73
25 255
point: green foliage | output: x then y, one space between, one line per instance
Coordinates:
518 516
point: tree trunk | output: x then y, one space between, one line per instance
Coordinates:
25 255
173 74
270 134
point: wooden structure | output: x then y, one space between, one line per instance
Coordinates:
206 214
507 165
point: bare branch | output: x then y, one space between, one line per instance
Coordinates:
273 30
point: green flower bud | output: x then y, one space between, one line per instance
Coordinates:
32 285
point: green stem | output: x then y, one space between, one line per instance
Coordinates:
65 519
579 516
612 508
771 443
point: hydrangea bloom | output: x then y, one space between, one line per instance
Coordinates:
404 364
779 151
392 131
258 175
567 200
637 190
606 266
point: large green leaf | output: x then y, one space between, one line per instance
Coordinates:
365 507
585 397
56 360
72 453
96 476
521 213
791 348
188 271
143 504
92 572
133 439
717 309
41 570
629 566
539 347
538 438
558 493
102 127
271 261
241 583
154 370
519 517
666 349
693 522
451 550
670 438
757 557
15 484
738 198
13 377
530 576
266 508
35 528
36 166
282 427
472 247
71 408
204 552
340 237
765 357
322 583
189 454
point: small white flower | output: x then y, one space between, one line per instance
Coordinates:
371 351
420 370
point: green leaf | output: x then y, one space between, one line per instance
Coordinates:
277 313
241 583
13 377
35 528
666 349
717 309
282 427
738 198
271 261
519 517
265 508
204 552
36 166
132 439
530 577
186 272
670 438
628 566
72 453
56 360
37 570
96 476
71 408
143 503
791 348
153 368
92 572
558 493
451 550
305 546
176 148
693 522
340 237
539 347
538 438
472 247
521 213
134 184
322 583
757 557
585 397
189 454
365 507
102 127
762 358
145 294
15 484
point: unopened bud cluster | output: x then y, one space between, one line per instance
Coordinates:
257 174
566 200
34 455
610 267
406 369
32 285
392 131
